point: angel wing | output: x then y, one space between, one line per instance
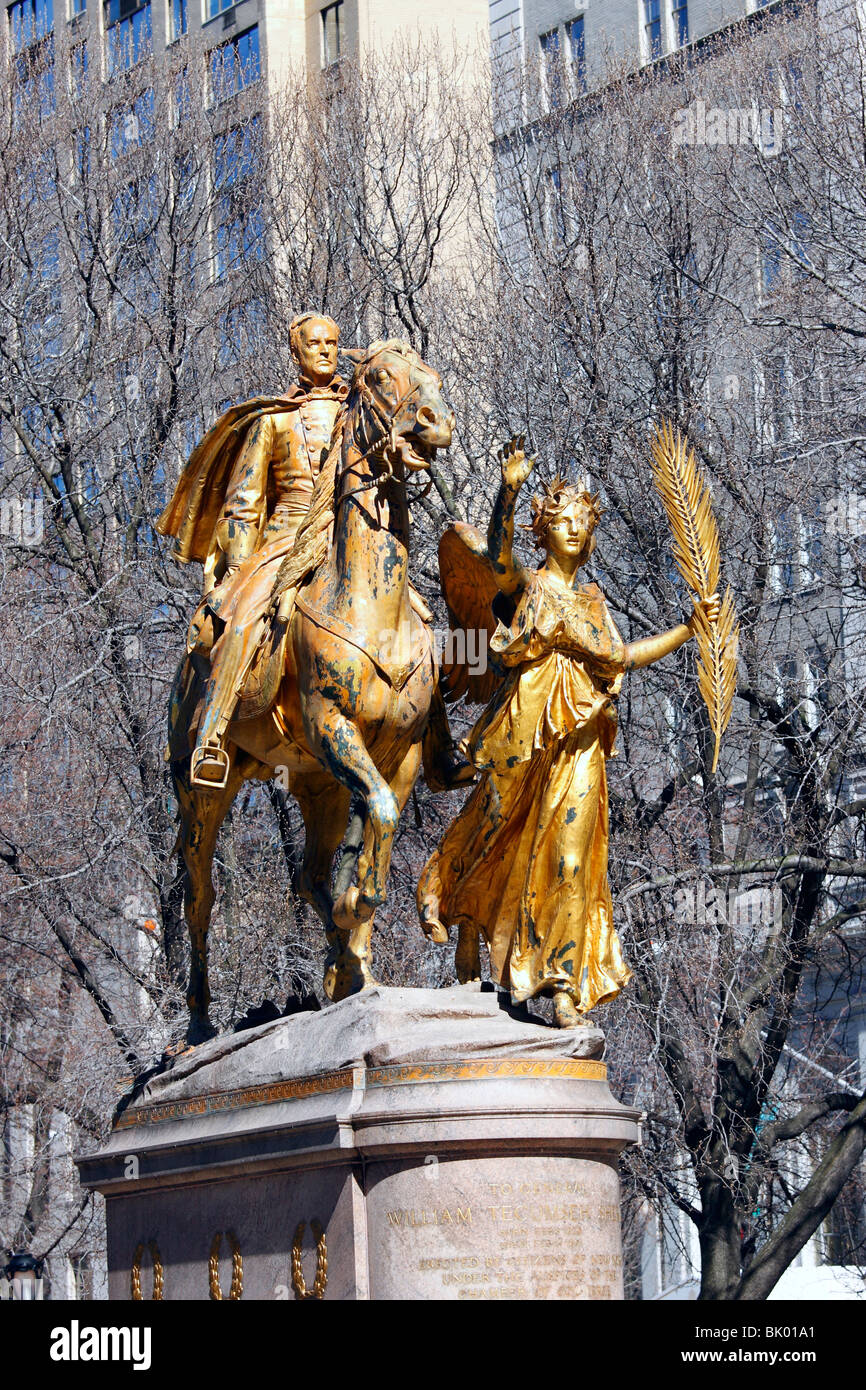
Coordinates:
475 603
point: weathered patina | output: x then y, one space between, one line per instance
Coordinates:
524 865
357 670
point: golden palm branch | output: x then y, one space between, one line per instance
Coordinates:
686 499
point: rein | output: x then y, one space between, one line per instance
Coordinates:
386 431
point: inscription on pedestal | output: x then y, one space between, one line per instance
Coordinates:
484 1236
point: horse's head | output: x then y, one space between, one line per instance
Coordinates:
404 416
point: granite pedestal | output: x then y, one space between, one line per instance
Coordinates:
402 1144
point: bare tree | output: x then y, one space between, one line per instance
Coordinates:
659 272
594 268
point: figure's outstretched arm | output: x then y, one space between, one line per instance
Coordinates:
650 649
510 575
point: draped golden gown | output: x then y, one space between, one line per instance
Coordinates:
525 862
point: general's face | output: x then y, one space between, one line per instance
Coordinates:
317 350
570 534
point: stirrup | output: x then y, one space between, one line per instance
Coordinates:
209 767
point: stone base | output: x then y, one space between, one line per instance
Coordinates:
402 1144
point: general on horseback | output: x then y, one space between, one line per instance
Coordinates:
310 654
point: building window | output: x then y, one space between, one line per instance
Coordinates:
30 21
42 332
796 545
332 34
652 11
240 233
550 67
78 7
31 24
770 248
680 15
33 94
81 153
182 97
216 7
240 227
133 125
236 154
556 216
135 215
186 177
39 181
234 65
577 52
130 34
178 21
78 69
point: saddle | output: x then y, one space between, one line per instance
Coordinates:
260 685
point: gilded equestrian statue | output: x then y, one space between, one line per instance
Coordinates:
338 688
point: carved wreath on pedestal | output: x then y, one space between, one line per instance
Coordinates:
213 1268
135 1272
320 1283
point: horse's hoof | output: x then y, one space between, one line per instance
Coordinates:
347 978
351 910
434 930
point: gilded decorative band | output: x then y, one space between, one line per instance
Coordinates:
413 1073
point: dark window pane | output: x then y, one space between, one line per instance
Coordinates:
332 37
577 49
234 65
178 18
653 27
681 23
129 39
549 44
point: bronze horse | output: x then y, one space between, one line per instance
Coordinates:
358 676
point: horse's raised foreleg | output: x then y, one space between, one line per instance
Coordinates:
374 864
340 747
201 815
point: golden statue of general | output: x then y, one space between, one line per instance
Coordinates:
237 509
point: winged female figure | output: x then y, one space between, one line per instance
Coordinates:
525 862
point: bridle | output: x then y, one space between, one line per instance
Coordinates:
386 422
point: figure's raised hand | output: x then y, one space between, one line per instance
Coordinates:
516 467
707 609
